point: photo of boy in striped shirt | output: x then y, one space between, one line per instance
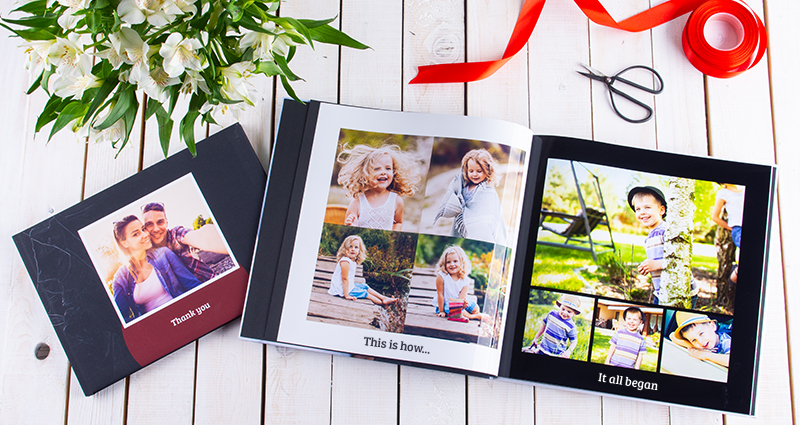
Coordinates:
628 344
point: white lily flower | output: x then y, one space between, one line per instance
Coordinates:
64 86
112 134
68 19
223 109
180 54
155 84
186 6
282 43
125 38
236 83
157 12
111 55
37 52
68 56
260 42
193 81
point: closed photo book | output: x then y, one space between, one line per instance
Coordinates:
152 263
476 246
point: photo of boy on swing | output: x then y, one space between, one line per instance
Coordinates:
635 236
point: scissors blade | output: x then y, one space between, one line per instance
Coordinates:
592 71
592 74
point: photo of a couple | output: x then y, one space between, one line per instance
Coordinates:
157 249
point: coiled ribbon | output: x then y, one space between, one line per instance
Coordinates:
709 58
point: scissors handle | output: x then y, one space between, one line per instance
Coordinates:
612 91
639 86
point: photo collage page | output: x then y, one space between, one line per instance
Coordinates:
417 236
635 270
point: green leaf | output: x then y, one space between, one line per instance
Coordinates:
125 100
71 112
267 68
165 125
46 78
105 89
297 25
153 107
187 130
31 35
34 21
128 119
235 10
289 89
48 113
329 35
290 55
35 84
310 23
286 72
37 7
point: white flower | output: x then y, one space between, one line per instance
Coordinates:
68 19
68 56
259 41
180 54
193 81
111 55
155 84
186 6
281 44
112 134
236 83
133 51
69 85
37 52
223 109
157 12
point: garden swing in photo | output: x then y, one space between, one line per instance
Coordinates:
576 229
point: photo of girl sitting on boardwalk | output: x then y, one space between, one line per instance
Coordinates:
343 284
361 278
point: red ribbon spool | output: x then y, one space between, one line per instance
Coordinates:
724 38
719 61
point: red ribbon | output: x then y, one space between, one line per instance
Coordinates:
529 16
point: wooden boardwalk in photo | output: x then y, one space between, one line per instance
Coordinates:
421 316
326 308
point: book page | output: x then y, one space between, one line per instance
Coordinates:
406 236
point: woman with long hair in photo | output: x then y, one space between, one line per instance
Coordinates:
150 277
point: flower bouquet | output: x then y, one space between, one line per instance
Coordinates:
94 58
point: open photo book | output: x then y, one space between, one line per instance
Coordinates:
475 246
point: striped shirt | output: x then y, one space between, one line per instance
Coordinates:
629 346
557 334
654 247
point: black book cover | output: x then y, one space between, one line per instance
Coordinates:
75 264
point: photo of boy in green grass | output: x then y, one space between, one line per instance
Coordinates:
603 231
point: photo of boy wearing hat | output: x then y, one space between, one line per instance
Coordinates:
558 329
704 338
650 206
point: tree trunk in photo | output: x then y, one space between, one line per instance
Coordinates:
676 277
726 253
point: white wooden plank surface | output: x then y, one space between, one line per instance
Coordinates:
561 104
784 60
432 35
102 171
751 117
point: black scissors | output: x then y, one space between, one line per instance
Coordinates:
609 82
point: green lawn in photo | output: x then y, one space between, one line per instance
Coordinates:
533 322
571 270
602 341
